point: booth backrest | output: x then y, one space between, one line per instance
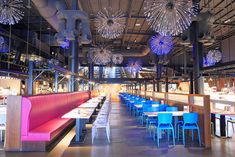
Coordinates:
37 110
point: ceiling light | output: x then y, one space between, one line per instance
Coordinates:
10 11
170 17
227 21
161 45
110 24
137 24
117 58
101 56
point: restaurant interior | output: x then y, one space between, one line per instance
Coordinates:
117 78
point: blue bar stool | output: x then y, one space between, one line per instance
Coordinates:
165 123
190 122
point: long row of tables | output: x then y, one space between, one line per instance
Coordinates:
82 114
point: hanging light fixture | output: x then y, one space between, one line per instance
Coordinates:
170 17
10 11
117 58
161 45
134 66
101 56
110 24
3 45
213 57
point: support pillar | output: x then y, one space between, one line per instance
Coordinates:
191 83
91 73
154 87
158 86
56 81
69 85
145 85
166 85
100 72
197 55
30 80
74 59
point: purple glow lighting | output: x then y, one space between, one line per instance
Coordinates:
161 45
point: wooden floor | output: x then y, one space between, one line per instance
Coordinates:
128 139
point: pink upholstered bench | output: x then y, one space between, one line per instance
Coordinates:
41 120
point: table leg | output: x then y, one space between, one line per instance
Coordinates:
214 122
175 124
222 126
78 130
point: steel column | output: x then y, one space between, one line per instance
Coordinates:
56 81
30 79
74 62
191 84
145 86
100 72
154 88
166 85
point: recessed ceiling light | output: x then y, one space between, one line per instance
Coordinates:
137 24
227 21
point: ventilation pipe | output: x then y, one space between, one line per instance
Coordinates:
73 19
48 10
64 21
205 23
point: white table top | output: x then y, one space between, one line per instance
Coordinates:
174 113
89 105
3 109
82 113
140 106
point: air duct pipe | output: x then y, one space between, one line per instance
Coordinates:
205 23
73 18
48 10
64 21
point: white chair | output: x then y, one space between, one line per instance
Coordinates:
102 121
2 124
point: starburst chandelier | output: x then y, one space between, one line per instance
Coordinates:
101 56
161 45
170 17
117 58
134 66
213 57
110 24
10 11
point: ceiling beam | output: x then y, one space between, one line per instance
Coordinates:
130 7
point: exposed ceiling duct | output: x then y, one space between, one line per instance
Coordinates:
125 53
48 10
205 35
63 21
70 22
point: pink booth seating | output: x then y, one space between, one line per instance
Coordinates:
41 115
